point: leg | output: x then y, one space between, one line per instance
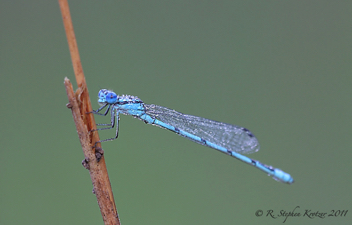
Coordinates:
112 125
106 112
98 110
112 120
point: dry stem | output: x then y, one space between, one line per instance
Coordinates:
80 104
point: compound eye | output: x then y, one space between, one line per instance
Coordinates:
111 97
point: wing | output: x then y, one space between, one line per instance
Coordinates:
231 137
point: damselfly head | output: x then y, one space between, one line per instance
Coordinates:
106 96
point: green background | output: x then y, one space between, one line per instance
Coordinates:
279 68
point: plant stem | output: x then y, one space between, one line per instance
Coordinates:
80 104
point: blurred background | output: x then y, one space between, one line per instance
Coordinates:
282 69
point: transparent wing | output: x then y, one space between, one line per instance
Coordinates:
234 138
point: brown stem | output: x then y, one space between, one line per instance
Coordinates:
80 104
